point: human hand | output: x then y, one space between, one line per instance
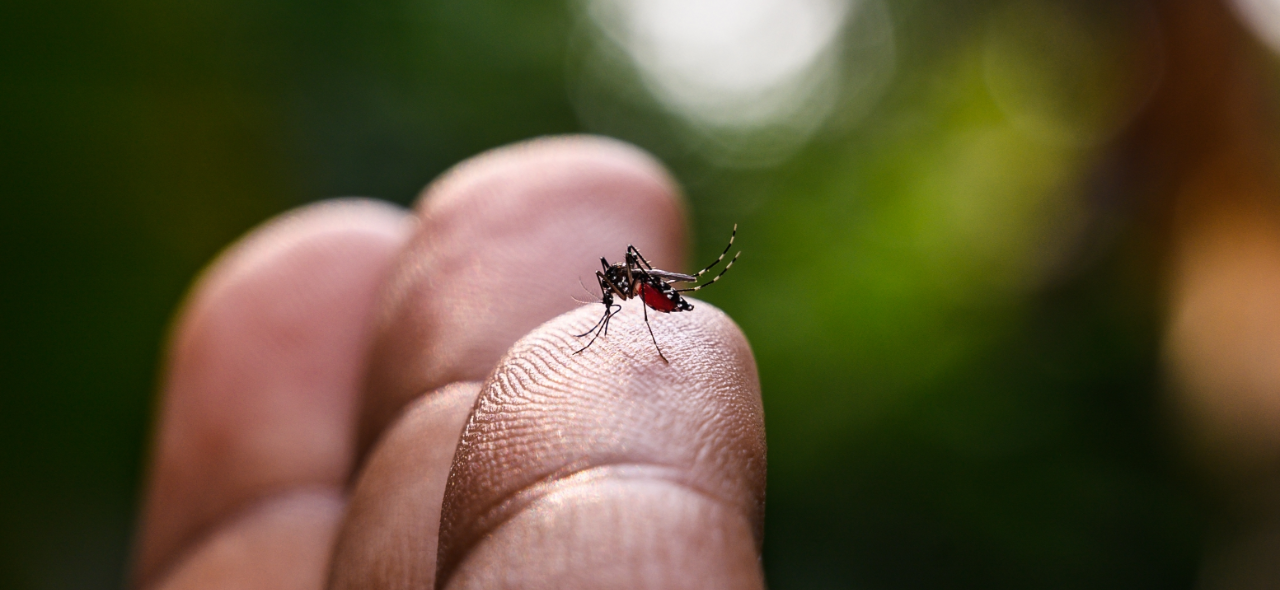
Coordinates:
322 369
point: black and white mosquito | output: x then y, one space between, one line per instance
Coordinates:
635 277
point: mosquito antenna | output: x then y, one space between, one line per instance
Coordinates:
588 291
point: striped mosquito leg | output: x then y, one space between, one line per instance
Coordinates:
725 270
726 251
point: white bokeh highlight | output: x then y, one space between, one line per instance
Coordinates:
729 63
1263 17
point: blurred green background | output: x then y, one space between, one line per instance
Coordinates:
951 296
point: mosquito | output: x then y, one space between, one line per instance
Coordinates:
635 277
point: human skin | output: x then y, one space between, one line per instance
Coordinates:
353 390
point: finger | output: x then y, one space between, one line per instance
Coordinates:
612 468
263 371
506 241
280 544
389 536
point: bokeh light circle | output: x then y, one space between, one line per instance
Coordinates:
727 63
1263 17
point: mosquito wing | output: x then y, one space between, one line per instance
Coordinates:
672 276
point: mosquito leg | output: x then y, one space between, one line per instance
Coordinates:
608 315
603 320
593 328
725 270
632 250
605 297
655 338
726 251
634 269
631 277
593 341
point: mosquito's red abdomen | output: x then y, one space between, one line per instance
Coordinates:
635 277
655 299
